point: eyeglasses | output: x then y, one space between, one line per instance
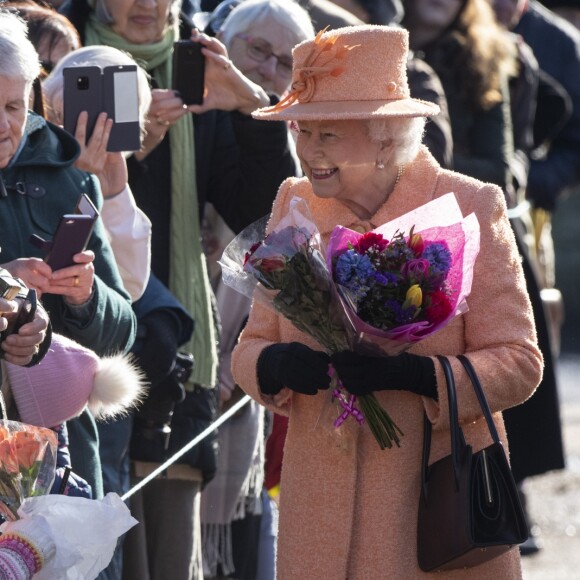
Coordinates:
261 51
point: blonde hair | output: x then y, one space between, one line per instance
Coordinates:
486 54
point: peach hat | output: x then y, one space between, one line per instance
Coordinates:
357 72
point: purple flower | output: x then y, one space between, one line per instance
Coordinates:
401 315
385 279
416 269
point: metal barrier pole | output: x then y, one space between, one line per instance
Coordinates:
222 419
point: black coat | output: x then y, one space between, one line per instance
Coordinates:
556 46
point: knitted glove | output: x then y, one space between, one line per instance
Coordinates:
292 365
361 374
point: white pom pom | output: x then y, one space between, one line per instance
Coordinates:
118 386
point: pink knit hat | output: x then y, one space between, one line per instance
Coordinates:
70 378
357 72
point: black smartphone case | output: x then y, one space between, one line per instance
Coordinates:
121 102
82 91
188 71
112 90
71 237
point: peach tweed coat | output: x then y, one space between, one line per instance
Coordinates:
351 514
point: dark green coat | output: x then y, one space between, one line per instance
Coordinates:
41 186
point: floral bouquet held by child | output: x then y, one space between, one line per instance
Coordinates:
377 293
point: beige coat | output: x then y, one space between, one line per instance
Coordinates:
351 513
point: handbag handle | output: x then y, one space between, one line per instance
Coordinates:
458 443
480 396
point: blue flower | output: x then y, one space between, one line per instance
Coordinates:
439 257
352 267
385 279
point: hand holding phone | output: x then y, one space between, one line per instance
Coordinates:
112 90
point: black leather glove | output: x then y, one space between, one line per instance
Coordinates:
292 365
361 374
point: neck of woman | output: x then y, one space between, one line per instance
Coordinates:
366 206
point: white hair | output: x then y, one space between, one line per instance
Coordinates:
406 133
18 57
287 13
97 55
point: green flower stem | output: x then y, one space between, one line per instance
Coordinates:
384 429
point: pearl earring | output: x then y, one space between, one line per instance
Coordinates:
380 165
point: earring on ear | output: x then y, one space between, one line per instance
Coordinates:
380 165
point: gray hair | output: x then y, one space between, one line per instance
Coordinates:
406 133
104 16
18 57
287 13
97 55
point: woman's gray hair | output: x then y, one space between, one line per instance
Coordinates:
97 55
18 57
406 133
287 13
104 16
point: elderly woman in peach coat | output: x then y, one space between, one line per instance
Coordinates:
353 514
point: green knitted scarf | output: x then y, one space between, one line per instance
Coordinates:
189 279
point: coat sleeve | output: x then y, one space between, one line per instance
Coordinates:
249 162
261 330
499 333
109 324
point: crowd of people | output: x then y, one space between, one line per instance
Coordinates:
365 110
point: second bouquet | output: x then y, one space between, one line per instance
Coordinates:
370 293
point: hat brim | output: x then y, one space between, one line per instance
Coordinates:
344 110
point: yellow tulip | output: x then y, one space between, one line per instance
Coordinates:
414 297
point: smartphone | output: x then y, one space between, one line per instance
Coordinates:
82 91
71 237
86 207
188 71
121 102
113 90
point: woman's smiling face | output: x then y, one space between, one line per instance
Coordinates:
139 21
339 159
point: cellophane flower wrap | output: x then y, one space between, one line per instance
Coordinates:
27 464
406 279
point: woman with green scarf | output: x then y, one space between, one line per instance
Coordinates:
213 152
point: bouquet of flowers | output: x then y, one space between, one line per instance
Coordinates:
27 464
406 279
374 293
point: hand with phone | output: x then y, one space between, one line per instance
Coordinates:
75 283
226 87
166 108
110 168
34 272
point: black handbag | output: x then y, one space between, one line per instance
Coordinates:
469 509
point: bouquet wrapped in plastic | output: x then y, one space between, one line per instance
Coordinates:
76 536
377 292
27 464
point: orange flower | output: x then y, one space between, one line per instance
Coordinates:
8 459
28 448
4 433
